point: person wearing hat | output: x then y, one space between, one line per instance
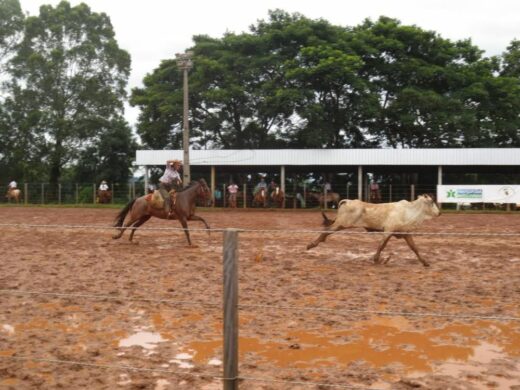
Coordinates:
103 186
170 181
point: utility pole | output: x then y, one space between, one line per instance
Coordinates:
185 64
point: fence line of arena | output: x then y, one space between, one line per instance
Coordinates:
299 197
270 231
231 376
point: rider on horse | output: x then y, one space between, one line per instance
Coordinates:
170 181
12 186
261 185
103 186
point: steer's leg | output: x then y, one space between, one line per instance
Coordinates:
380 248
323 236
411 244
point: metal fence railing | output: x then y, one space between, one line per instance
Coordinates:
295 197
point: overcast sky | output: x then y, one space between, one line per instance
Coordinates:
154 30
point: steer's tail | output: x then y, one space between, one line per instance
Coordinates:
326 220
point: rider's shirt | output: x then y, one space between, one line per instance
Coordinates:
103 187
170 176
12 184
232 188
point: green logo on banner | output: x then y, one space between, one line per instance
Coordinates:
451 194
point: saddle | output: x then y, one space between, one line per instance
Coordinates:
156 200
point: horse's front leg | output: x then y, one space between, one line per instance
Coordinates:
197 218
184 224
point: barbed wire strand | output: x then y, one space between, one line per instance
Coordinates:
383 312
274 231
107 366
175 372
272 307
109 297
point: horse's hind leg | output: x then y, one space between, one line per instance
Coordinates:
123 228
137 224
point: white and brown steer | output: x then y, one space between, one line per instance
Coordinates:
390 218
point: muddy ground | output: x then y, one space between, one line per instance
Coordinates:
149 315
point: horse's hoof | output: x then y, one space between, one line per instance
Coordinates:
426 264
134 242
115 237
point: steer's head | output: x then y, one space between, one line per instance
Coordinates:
431 205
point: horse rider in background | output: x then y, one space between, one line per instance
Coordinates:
260 185
11 186
170 181
103 186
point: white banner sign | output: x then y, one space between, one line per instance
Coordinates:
478 193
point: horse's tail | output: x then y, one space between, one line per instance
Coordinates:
120 218
326 220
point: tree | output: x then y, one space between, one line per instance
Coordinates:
11 26
70 70
109 157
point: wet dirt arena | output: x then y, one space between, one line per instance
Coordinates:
149 315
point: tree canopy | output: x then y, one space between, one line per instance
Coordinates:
65 90
296 82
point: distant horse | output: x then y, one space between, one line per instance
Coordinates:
13 193
332 198
141 209
260 198
277 197
104 196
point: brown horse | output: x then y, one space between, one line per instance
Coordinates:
332 198
104 196
13 193
277 197
141 210
260 198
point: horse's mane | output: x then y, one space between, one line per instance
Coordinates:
192 183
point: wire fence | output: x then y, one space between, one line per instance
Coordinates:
233 380
302 196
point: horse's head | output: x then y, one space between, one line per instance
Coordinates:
204 192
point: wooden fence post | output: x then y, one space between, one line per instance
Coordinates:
43 193
224 195
412 192
59 193
230 309
77 193
94 193
26 192
390 193
244 195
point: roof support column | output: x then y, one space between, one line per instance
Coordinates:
282 178
213 186
146 180
282 182
439 180
360 182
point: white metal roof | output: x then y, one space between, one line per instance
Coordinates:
354 157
